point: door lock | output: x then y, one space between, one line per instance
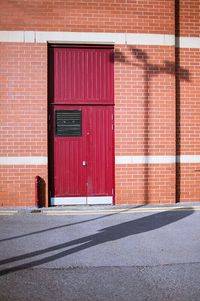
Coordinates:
84 163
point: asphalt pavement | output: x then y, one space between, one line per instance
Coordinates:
97 253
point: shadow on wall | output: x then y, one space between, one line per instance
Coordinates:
149 71
108 234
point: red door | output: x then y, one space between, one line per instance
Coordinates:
82 155
81 97
81 75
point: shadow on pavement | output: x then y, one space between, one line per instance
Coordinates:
122 230
67 225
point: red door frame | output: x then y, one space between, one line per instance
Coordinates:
50 138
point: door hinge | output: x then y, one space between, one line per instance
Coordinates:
113 122
112 191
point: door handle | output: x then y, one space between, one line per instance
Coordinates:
84 163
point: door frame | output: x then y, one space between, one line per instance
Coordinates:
50 70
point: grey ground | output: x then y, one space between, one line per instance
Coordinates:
116 256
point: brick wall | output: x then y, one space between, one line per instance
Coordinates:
189 15
89 16
188 139
145 121
188 25
145 100
144 184
18 185
23 114
188 188
189 104
156 95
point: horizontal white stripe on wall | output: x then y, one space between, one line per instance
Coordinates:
23 160
188 42
118 160
144 160
112 38
157 159
87 37
98 37
150 39
188 159
80 37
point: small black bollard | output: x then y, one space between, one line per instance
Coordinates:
39 192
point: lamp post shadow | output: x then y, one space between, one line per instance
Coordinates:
149 72
105 235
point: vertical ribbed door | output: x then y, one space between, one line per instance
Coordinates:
81 125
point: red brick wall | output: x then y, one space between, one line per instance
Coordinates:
18 185
145 100
150 16
23 115
145 121
189 104
144 184
188 188
148 104
189 126
23 99
189 13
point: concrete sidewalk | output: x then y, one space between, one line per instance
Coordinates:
120 253
99 209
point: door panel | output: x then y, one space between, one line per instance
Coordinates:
69 152
81 75
72 178
100 151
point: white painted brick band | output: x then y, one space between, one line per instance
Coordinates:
157 159
150 39
98 37
23 160
11 36
118 160
145 160
188 42
188 159
80 37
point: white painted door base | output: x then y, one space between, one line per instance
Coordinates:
93 200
